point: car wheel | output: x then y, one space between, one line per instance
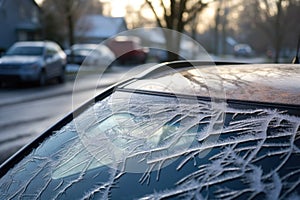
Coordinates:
42 79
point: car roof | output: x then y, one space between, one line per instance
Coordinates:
90 46
32 43
270 83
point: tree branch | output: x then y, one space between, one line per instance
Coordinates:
155 14
194 10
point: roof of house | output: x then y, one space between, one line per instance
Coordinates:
98 26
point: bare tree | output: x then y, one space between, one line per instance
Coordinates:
276 18
176 15
216 27
135 17
220 27
60 17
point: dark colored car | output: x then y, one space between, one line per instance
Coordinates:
177 131
90 54
128 49
243 50
33 61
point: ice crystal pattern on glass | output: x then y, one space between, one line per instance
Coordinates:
255 156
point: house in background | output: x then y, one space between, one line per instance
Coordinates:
19 21
97 28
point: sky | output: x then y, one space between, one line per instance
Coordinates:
38 1
118 7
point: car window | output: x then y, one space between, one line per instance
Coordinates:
25 50
143 146
82 51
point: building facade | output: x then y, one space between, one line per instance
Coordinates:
19 21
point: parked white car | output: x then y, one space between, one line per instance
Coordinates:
90 54
33 61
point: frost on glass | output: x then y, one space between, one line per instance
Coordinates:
255 157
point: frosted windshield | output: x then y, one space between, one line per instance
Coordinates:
136 146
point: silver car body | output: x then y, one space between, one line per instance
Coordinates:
32 61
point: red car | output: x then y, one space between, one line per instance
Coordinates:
128 49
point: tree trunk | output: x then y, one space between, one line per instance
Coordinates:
278 35
216 30
173 39
70 30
